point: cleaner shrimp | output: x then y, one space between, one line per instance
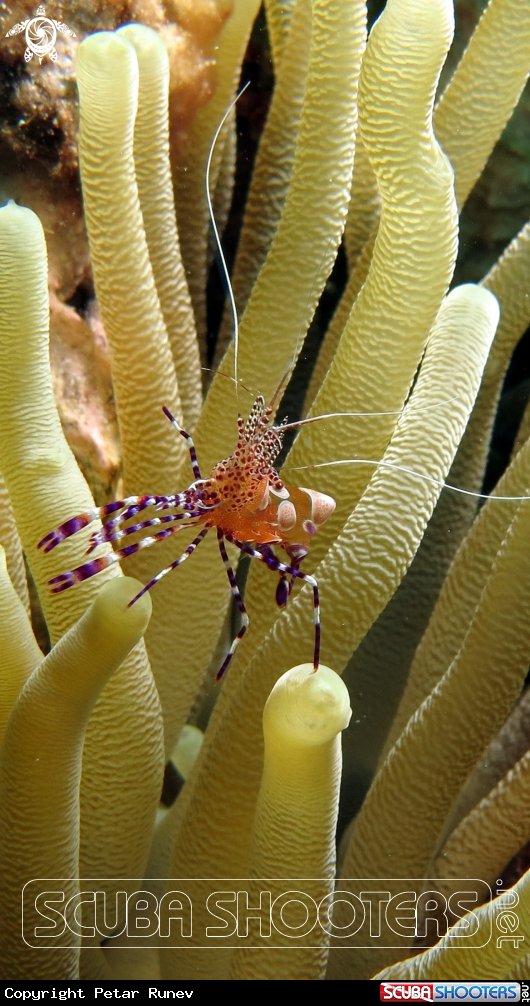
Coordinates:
243 498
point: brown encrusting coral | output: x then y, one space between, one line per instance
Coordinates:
39 117
39 121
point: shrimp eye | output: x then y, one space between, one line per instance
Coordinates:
322 506
286 516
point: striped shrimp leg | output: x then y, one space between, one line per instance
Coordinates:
131 505
109 532
187 438
142 502
88 569
281 567
239 601
178 562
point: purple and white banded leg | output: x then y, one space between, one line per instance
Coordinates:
239 601
191 445
130 506
281 567
88 569
178 562
108 533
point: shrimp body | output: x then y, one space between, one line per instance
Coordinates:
252 503
244 498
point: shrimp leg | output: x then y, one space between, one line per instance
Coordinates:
273 563
88 569
239 601
178 562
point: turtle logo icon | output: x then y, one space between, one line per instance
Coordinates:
41 34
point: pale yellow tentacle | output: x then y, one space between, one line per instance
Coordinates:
338 323
282 302
502 754
296 812
461 592
471 114
40 772
273 167
359 240
122 754
19 653
388 652
224 187
279 15
10 540
523 432
413 257
475 107
142 365
508 280
452 956
189 176
155 190
360 573
493 832
412 263
443 740
428 765
364 208
484 90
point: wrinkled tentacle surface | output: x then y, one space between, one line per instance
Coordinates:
122 754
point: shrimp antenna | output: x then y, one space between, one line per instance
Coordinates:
228 377
410 471
334 415
224 269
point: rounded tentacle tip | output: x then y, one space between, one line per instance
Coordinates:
101 46
307 707
12 214
105 61
20 229
112 606
146 41
472 295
